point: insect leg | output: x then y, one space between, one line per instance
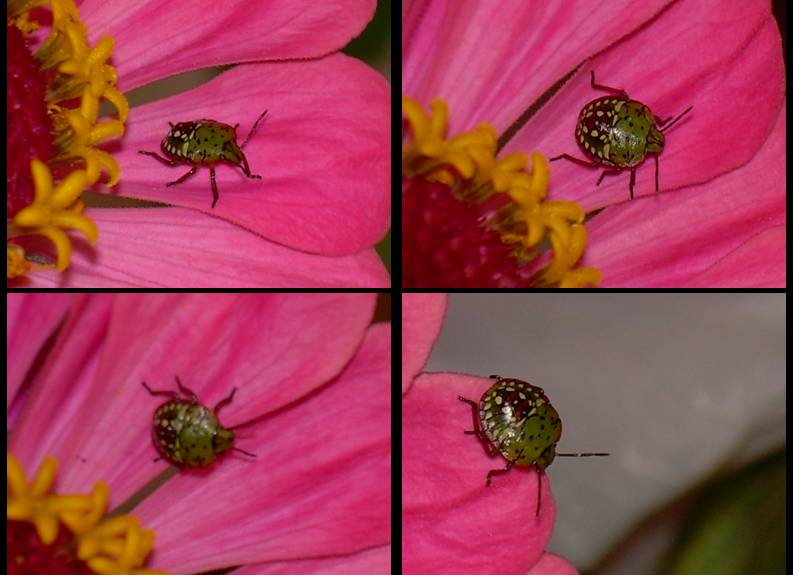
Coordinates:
225 401
183 178
214 185
662 124
502 471
477 431
578 161
246 170
618 91
608 171
186 391
489 449
656 173
171 394
166 161
505 469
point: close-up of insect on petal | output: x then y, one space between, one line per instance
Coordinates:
515 419
205 143
494 191
617 133
672 449
246 152
166 433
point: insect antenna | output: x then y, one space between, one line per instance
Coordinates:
673 122
256 125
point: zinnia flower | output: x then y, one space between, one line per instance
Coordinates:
322 150
486 83
449 525
312 401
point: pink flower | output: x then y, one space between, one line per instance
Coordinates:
719 219
323 200
312 402
451 522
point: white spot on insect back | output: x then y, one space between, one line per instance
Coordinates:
185 147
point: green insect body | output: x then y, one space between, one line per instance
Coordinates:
188 434
204 143
516 420
618 133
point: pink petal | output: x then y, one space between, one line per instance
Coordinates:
451 44
550 564
716 69
30 321
743 267
153 41
320 485
322 152
377 560
452 523
705 231
114 343
177 247
422 317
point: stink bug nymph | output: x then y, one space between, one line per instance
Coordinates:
515 419
617 133
204 142
188 434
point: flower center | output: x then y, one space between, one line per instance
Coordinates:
54 93
472 220
53 533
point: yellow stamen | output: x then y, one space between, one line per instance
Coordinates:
82 72
467 164
16 264
55 208
106 545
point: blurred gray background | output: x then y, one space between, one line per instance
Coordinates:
674 386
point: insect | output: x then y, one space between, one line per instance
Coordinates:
188 434
204 142
515 418
618 133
